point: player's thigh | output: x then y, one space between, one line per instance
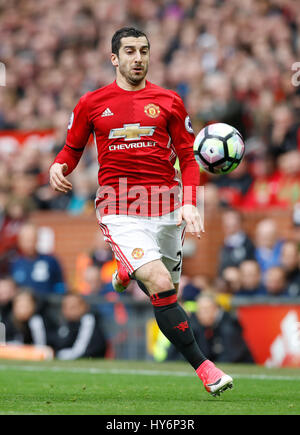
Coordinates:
130 241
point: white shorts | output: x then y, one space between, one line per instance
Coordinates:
137 240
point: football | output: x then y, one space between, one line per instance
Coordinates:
219 148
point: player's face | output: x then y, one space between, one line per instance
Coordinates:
133 59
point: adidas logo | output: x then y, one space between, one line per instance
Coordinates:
107 112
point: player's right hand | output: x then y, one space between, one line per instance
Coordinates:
57 179
190 214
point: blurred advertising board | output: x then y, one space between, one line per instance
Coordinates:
11 141
45 140
272 333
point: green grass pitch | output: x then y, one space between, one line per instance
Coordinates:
106 387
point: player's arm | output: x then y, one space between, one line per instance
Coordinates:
79 130
182 136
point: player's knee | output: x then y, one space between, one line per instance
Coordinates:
163 283
155 277
158 282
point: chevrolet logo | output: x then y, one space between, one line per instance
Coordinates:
131 132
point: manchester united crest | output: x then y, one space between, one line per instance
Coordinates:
137 253
152 110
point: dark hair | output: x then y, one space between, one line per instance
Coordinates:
125 32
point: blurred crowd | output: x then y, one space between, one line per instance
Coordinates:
76 331
241 57
261 266
231 61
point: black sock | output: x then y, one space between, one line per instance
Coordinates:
174 324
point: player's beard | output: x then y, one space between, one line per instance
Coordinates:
132 77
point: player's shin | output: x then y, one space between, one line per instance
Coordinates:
174 324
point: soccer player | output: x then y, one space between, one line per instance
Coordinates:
139 129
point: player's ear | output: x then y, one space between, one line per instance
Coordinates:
114 59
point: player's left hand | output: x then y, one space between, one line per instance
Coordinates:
190 214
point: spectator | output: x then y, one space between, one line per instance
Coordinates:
24 186
42 273
16 214
235 185
263 190
46 198
230 280
290 260
250 276
81 334
102 256
275 282
8 291
212 200
82 197
27 323
268 245
218 332
92 276
111 307
99 256
291 138
190 289
223 105
237 246
282 123
288 185
296 224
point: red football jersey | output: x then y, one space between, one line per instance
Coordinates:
138 135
